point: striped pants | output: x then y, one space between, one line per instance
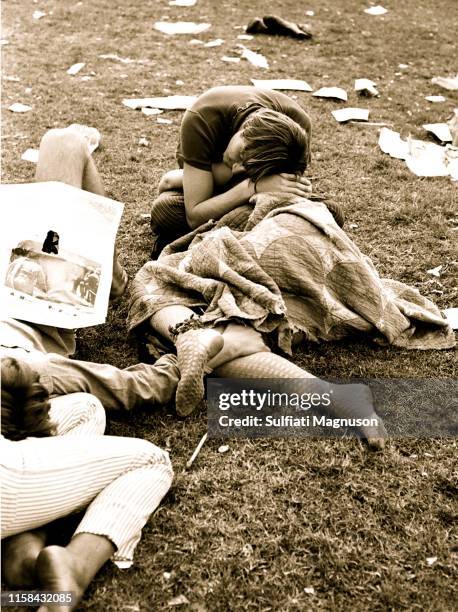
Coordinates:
120 481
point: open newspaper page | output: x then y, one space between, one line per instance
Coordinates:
56 253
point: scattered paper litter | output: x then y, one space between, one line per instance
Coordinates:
4 41
350 114
167 102
331 92
234 60
431 560
435 98
450 83
223 449
180 600
143 142
164 121
167 575
310 13
376 10
181 27
196 41
440 131
421 157
245 37
366 87
435 271
15 79
76 68
38 14
214 43
403 66
182 2
18 107
31 155
254 58
452 317
117 58
151 111
309 590
292 84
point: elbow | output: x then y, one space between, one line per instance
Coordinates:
192 220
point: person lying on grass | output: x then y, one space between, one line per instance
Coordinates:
55 461
292 270
234 141
54 457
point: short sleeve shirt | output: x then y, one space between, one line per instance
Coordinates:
217 115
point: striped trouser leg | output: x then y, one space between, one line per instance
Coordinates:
121 481
77 414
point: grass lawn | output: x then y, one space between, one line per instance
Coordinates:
252 528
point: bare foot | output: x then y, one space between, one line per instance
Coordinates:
195 348
57 571
19 555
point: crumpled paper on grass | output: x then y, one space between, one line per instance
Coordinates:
18 107
342 115
291 84
76 68
257 59
421 157
181 27
440 130
376 10
331 92
366 87
167 102
450 83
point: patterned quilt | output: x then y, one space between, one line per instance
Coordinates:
292 268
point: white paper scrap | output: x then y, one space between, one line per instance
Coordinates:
167 102
435 98
182 2
376 10
214 43
151 111
17 107
164 121
309 590
234 60
117 58
310 13
350 114
143 142
196 41
38 15
31 155
76 68
452 317
181 27
245 37
366 87
223 449
291 84
440 131
331 92
254 58
450 83
435 271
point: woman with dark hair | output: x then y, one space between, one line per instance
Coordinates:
234 141
120 482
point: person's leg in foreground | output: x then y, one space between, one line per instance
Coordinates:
65 157
239 352
121 480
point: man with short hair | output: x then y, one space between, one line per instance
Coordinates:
234 141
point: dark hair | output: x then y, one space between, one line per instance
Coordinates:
25 402
274 143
